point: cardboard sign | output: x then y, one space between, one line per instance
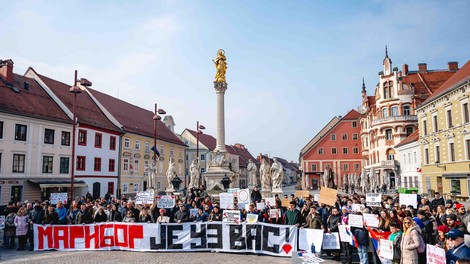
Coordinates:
56 197
345 233
355 220
373 199
231 216
270 201
145 197
226 200
308 236
165 201
251 218
193 212
328 196
409 199
330 241
357 207
243 196
260 206
285 202
371 220
435 255
274 213
304 194
386 249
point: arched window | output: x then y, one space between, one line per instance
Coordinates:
388 89
390 154
384 112
395 111
406 110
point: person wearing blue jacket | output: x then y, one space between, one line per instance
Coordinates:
62 212
458 249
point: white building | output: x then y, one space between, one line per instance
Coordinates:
410 161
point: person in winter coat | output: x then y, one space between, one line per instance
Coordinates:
313 219
216 215
22 226
101 216
410 242
36 217
395 237
9 234
362 237
452 223
84 216
427 229
255 195
441 240
458 248
51 217
292 216
333 222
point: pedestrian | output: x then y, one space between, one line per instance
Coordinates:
10 230
410 242
21 224
395 237
458 249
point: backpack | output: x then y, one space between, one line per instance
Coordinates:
422 245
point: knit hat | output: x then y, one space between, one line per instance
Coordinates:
418 222
458 206
402 214
442 228
449 202
452 217
421 212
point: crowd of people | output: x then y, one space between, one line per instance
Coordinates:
435 222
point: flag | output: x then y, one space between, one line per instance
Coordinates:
354 241
154 149
375 237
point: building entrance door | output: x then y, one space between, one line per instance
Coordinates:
315 184
16 194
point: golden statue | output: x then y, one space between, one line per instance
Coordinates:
220 65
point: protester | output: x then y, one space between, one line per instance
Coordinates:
21 224
457 248
396 237
410 242
9 234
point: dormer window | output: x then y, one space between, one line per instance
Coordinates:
388 89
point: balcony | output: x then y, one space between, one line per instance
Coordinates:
389 164
394 119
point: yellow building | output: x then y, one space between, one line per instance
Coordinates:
444 125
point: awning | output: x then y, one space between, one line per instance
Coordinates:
58 183
456 175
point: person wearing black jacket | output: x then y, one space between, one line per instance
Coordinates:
51 217
438 200
362 237
101 216
36 217
427 230
255 195
84 216
333 222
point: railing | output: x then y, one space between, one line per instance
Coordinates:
389 164
395 119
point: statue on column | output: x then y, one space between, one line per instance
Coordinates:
346 183
264 173
328 178
152 174
252 172
363 183
194 174
220 65
277 174
373 180
170 173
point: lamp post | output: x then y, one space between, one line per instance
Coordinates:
75 90
176 183
156 117
199 129
226 182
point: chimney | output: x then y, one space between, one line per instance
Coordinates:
453 66
422 67
405 69
85 82
6 70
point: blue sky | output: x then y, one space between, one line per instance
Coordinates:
292 65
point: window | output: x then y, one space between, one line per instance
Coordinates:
388 134
320 151
18 163
1 129
388 86
82 137
314 167
202 157
136 165
415 157
391 154
98 140
146 164
455 186
345 150
333 151
384 112
406 182
356 166
172 151
426 156
111 187
355 150
449 118
65 139
64 165
162 151
127 143
404 158
354 124
111 165
136 187
409 130
137 145
346 167
203 170
125 164
467 144
81 163
395 111
112 143
125 187
436 126
20 132
97 164
466 117
409 158
333 137
344 136
355 136
49 136
438 154
451 151
147 147
406 110
47 164
425 128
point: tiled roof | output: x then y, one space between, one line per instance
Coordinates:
462 74
134 119
432 79
87 111
352 115
411 138
207 140
333 122
244 155
34 103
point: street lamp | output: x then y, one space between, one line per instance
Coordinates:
226 182
176 183
156 118
75 90
199 129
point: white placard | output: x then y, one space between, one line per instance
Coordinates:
386 249
274 213
316 197
260 206
165 201
373 199
357 207
345 234
270 201
435 255
355 220
409 199
145 197
56 197
371 220
226 200
234 191
308 236
193 212
251 218
231 216
331 241
243 196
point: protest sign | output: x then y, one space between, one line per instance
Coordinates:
355 220
328 196
56 197
2 221
234 191
285 202
193 212
274 213
386 249
345 234
373 199
226 200
316 197
435 255
145 197
331 241
371 220
243 197
231 216
308 236
251 218
304 194
305 257
270 201
409 199
357 207
165 219
260 206
165 201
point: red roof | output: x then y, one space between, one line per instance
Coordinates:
433 80
352 115
371 100
461 75
34 102
207 140
87 111
134 119
411 138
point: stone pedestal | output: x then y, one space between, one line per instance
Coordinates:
277 191
266 194
170 190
